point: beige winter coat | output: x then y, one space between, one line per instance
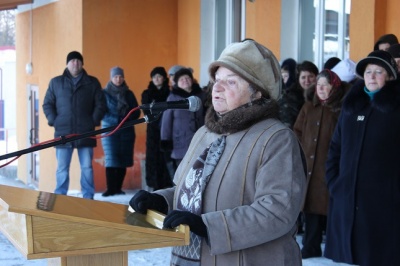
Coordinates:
253 198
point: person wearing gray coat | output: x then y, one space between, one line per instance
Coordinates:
242 182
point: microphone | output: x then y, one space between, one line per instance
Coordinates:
193 104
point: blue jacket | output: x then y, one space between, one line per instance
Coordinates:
118 147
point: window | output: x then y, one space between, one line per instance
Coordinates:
331 30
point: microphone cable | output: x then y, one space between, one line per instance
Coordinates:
65 139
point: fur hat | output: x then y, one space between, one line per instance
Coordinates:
174 69
158 70
116 71
74 55
181 72
394 50
253 62
380 58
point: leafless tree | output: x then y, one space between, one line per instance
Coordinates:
7 28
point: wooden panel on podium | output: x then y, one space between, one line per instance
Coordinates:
74 231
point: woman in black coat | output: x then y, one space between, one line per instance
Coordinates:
363 169
159 168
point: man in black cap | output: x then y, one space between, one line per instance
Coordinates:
74 104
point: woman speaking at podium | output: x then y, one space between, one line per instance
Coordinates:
241 184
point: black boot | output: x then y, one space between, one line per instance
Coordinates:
119 181
110 178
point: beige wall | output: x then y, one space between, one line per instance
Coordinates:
370 19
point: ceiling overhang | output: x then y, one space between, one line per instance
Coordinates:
12 4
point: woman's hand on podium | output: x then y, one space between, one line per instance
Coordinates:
144 200
195 222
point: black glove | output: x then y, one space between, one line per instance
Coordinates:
194 222
143 200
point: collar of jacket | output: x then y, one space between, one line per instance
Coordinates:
68 75
242 117
386 100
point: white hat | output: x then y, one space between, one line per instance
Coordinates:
345 69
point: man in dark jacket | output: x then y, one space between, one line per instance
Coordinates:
74 104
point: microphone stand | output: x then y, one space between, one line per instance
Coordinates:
148 118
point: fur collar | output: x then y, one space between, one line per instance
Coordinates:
242 117
386 100
181 92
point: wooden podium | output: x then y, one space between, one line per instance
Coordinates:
72 231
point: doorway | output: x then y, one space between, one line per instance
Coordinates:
33 134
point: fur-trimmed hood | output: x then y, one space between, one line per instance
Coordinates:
242 117
386 100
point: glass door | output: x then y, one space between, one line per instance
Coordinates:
33 134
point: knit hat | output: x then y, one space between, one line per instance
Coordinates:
181 72
74 55
158 70
394 50
380 58
387 38
174 69
116 71
253 62
345 69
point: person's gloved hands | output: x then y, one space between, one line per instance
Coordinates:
196 224
143 200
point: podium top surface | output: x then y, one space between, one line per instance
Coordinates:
50 205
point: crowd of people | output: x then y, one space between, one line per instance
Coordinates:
343 124
275 150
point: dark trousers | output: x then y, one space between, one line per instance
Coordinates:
115 178
315 224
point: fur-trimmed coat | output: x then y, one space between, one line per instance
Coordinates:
363 178
290 104
314 127
157 175
254 195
